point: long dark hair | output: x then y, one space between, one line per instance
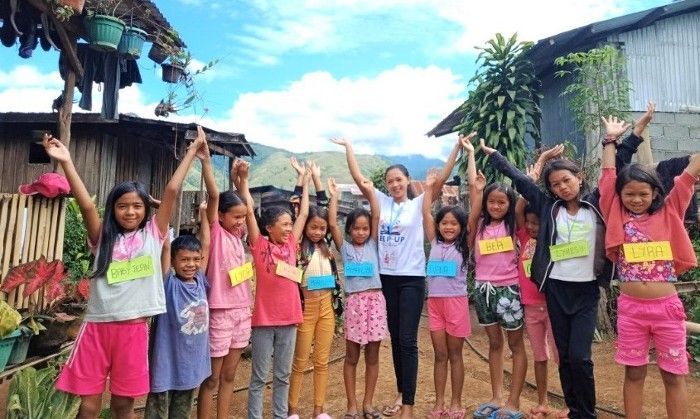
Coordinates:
229 199
641 173
307 246
461 242
563 164
111 230
510 215
410 193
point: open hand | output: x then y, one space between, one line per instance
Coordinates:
552 153
645 119
614 127
297 167
315 170
480 181
485 148
431 178
340 141
55 148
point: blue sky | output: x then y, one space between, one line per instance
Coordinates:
293 73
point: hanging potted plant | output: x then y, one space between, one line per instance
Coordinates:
104 29
9 322
63 10
163 46
175 69
131 43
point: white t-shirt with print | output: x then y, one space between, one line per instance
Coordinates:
401 236
571 228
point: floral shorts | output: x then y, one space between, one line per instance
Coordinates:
498 305
365 317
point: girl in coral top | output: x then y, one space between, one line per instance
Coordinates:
647 239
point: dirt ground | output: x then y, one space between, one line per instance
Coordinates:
609 378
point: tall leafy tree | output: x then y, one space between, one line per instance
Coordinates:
504 104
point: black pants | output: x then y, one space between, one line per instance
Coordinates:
404 302
573 309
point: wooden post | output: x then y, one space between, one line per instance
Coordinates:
65 114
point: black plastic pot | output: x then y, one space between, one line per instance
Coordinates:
157 53
172 73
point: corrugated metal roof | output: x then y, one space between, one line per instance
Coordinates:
585 37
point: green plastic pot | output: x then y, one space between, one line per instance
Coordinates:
104 32
6 345
131 43
19 350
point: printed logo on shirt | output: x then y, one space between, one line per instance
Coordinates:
196 318
390 234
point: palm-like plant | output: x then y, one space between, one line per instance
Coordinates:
504 105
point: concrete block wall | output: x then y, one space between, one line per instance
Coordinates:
673 134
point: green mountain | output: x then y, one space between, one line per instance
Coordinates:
271 166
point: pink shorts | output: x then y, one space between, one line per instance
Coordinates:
659 319
450 314
539 332
229 328
118 350
365 317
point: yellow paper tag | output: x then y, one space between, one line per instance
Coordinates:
575 249
647 251
241 273
499 245
128 270
288 271
527 267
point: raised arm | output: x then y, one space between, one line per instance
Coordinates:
204 235
300 222
614 128
336 233
476 196
533 171
212 205
645 119
239 172
354 167
450 164
375 212
321 198
522 182
694 166
428 221
91 218
167 201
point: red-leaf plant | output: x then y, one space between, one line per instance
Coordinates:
59 290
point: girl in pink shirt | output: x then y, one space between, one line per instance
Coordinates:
277 311
647 239
230 301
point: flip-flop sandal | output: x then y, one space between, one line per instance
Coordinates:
371 414
437 413
541 411
352 416
456 414
504 413
562 414
391 410
485 410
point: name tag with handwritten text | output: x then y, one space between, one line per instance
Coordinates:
647 251
447 268
321 282
288 271
128 270
563 251
241 274
361 269
499 245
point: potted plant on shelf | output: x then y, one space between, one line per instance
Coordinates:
131 42
63 10
163 46
9 323
104 29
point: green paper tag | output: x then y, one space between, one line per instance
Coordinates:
128 270
576 249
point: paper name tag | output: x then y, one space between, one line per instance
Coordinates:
576 249
241 273
128 270
647 251
362 269
288 271
527 267
442 268
499 245
321 282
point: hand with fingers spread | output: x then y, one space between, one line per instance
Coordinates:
552 153
614 127
431 178
480 181
533 171
299 168
315 170
466 142
487 150
55 148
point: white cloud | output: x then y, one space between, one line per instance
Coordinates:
386 114
313 26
